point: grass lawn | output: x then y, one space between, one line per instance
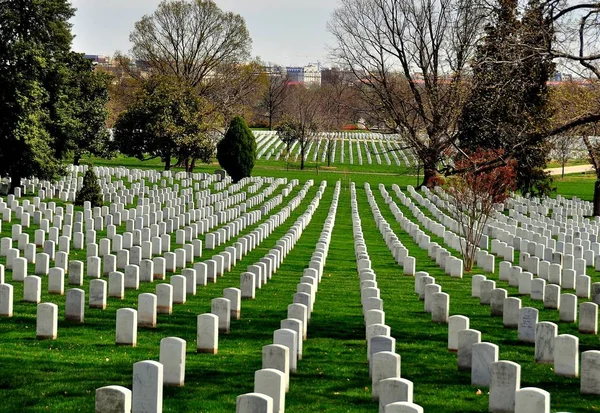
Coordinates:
62 375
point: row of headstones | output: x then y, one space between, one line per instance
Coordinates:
49 247
281 358
452 266
66 188
482 357
215 239
437 303
399 251
550 295
514 316
200 275
154 248
533 233
116 208
549 347
427 289
448 228
560 207
572 276
137 224
503 377
149 379
389 389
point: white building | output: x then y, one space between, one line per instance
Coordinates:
312 74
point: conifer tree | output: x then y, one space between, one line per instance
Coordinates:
508 103
90 190
236 152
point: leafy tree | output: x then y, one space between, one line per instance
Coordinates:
165 120
90 190
78 97
508 107
236 152
44 112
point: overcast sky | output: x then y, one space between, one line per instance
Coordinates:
288 32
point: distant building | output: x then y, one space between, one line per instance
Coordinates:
295 74
312 74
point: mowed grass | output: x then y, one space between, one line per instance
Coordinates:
62 375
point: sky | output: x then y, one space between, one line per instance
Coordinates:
286 32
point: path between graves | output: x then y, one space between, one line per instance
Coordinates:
335 351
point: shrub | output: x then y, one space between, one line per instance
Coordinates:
90 190
236 152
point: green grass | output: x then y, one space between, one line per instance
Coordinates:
571 162
62 375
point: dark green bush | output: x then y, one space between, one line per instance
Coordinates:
236 152
90 191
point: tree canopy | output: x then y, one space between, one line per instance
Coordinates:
190 39
44 108
508 105
165 120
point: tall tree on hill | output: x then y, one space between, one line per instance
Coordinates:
302 118
190 39
41 108
411 57
508 106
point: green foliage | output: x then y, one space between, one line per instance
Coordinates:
508 107
90 190
166 119
45 103
236 152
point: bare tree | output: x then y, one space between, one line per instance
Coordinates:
563 146
235 90
273 97
411 57
190 39
302 117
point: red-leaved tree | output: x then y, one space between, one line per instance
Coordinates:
474 194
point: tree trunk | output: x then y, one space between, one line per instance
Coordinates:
302 157
168 163
429 175
270 120
76 158
597 197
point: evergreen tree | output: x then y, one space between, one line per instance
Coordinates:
508 102
90 190
236 152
